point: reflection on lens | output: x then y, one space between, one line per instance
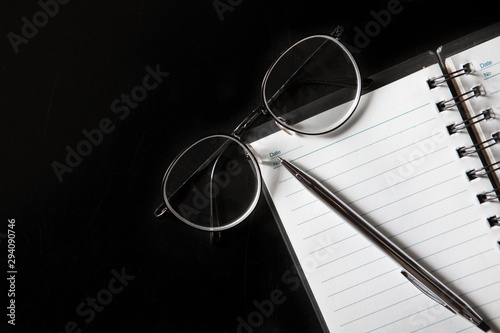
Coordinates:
313 87
214 184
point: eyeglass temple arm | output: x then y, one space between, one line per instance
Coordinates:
162 208
255 114
249 120
285 85
215 236
336 33
348 83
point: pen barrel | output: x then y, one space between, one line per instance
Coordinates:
453 301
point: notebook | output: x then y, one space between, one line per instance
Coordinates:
396 163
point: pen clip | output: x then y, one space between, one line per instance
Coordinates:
426 291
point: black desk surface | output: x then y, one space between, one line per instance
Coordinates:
90 256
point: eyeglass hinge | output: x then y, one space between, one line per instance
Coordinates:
337 32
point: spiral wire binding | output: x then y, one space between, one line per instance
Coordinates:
476 173
488 196
484 115
464 151
466 69
476 91
494 221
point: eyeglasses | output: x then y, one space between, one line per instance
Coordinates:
312 88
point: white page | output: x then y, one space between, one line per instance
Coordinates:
485 59
395 164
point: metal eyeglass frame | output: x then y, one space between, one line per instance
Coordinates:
263 109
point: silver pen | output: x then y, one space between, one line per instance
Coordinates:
413 271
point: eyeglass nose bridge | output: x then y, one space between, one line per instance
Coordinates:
248 121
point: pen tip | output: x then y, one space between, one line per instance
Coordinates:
483 326
279 158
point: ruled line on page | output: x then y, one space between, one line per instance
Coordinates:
409 246
455 245
369 162
383 189
355 268
490 302
392 219
304 205
473 273
344 256
430 221
406 299
434 306
363 147
380 157
461 260
369 178
381 309
370 144
489 66
402 318
490 77
434 323
437 235
442 267
407 196
429 210
362 131
419 259
378 293
420 208
370 296
324 230
411 297
336 242
391 169
315 217
481 288
363 282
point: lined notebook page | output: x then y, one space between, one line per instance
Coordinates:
485 59
395 164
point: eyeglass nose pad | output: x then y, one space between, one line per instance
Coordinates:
254 153
284 129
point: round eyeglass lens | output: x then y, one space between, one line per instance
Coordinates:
214 184
313 87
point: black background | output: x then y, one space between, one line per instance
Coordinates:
71 235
